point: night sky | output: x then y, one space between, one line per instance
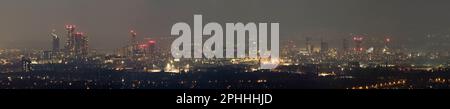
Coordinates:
28 23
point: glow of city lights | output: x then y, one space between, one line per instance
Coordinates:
358 38
142 46
152 42
80 33
133 33
70 27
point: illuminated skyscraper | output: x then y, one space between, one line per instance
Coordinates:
358 39
70 47
81 45
387 42
55 41
77 43
152 46
26 64
133 44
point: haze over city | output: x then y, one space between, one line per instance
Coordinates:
25 24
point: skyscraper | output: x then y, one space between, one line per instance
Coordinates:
81 45
70 47
151 46
26 64
55 41
387 42
309 47
358 39
77 43
133 44
345 45
323 46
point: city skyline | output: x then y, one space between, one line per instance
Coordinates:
220 53
407 22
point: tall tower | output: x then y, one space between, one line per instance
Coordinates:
80 45
345 46
152 46
133 36
387 45
323 46
358 39
387 42
55 41
77 43
70 44
309 47
133 44
386 51
26 64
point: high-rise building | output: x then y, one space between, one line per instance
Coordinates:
26 64
289 50
81 45
323 46
387 42
152 49
70 47
133 48
345 46
309 47
77 43
55 41
358 39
